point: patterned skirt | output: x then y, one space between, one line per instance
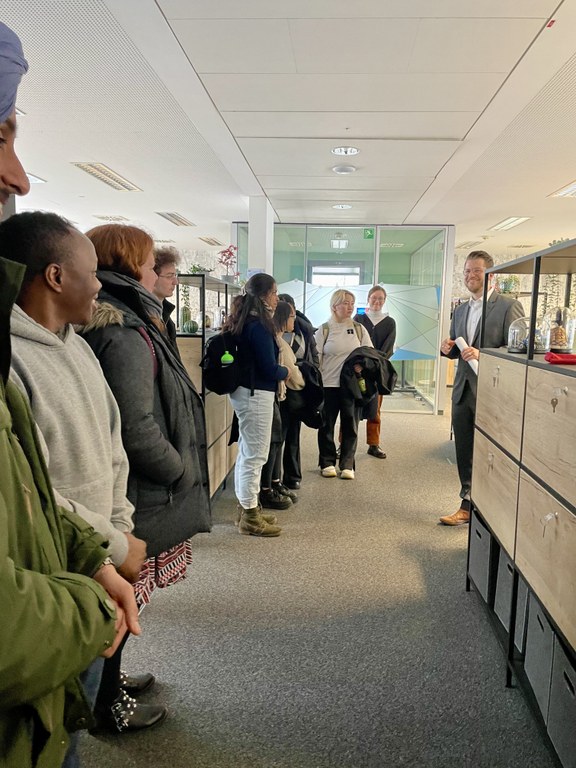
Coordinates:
161 571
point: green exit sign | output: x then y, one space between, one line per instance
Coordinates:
369 234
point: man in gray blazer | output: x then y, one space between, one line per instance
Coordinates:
501 311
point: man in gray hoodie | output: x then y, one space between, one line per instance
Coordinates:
75 410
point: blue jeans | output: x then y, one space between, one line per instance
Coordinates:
90 680
255 426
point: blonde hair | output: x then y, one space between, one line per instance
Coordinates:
339 296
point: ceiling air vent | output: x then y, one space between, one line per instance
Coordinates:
210 241
112 219
175 218
164 242
108 176
520 246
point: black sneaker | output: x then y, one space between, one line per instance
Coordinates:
271 499
283 490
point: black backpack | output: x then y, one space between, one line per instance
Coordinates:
222 364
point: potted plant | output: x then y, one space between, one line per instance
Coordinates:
227 258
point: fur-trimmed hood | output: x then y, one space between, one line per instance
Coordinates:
104 315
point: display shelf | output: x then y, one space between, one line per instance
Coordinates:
209 295
523 488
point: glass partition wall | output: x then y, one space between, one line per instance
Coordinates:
311 261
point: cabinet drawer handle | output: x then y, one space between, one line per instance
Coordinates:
546 519
569 684
490 461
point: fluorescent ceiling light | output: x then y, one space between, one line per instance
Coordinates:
111 218
512 221
108 176
342 207
567 191
210 241
339 244
345 151
391 245
175 218
469 244
164 242
35 179
342 169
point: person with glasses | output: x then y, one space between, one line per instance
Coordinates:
166 261
335 340
501 311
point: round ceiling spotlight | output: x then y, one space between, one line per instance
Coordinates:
342 207
343 169
345 151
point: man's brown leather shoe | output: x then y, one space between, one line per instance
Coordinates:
461 517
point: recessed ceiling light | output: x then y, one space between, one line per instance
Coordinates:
469 244
344 168
35 179
568 191
114 218
342 207
345 151
175 218
108 176
512 221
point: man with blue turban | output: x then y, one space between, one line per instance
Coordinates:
63 604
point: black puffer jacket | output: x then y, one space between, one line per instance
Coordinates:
163 427
378 373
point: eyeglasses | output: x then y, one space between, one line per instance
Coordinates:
170 275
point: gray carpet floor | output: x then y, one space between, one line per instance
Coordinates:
347 642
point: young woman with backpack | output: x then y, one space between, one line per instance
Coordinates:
250 321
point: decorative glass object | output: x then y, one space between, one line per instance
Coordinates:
542 335
508 283
518 335
205 322
185 317
562 327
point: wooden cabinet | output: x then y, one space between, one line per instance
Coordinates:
500 401
546 552
495 489
550 432
524 490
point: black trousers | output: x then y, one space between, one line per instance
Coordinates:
272 470
337 401
463 414
291 459
110 681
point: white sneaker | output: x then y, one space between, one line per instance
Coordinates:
329 472
347 474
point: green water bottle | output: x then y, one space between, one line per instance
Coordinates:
227 358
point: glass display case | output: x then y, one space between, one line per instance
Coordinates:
562 324
202 303
518 335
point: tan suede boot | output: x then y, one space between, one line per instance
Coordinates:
270 519
252 523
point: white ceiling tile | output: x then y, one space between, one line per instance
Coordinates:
416 184
347 126
312 9
453 45
319 93
353 45
239 45
304 157
383 196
